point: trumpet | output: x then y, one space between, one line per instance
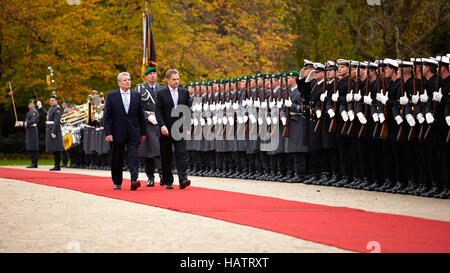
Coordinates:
76 116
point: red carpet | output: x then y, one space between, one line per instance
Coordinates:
342 227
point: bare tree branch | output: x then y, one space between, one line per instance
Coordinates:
357 41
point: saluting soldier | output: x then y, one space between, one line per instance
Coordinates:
53 134
149 149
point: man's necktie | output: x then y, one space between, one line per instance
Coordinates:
175 97
126 102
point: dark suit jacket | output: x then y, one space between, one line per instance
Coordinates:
118 123
164 105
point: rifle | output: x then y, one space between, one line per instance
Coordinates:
344 130
351 128
363 129
377 124
269 129
332 128
226 99
246 97
423 104
286 131
401 131
435 103
412 131
263 101
385 126
318 127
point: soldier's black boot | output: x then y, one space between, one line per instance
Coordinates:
397 188
332 180
365 182
323 178
55 168
375 184
289 175
356 181
386 185
314 178
433 191
344 181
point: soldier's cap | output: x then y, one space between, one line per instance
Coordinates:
448 55
30 101
372 65
416 60
53 96
318 67
261 75
307 63
276 76
343 62
150 69
253 76
406 64
430 62
442 59
66 101
391 63
331 65
363 64
354 63
292 73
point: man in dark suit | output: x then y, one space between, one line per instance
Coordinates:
167 99
124 125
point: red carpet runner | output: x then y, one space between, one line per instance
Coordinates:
346 228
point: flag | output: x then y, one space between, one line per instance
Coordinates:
149 54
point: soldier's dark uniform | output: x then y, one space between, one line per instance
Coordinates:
32 136
53 125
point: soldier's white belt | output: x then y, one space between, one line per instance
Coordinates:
98 129
294 114
150 112
33 125
49 122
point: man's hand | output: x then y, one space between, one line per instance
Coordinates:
143 138
53 135
109 138
164 131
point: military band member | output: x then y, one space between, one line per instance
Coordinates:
53 134
149 149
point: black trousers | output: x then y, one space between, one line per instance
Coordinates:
165 145
117 155
57 158
34 156
150 165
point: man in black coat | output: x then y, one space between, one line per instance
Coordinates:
124 125
168 99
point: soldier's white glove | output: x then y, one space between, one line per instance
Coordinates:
224 120
205 107
362 119
260 121
222 107
349 96
240 120
323 96
39 104
249 102
210 121
379 95
235 106
271 104
310 76
152 119
381 117
244 103
257 103
264 105
202 121
415 98
318 113
420 118
231 121
274 120
283 121
385 98
18 124
410 120
351 115
367 100
344 115
424 97
447 119
212 106
357 96
219 121
335 96
53 135
288 102
437 96
252 119
404 100
331 113
429 118
279 104
195 122
398 119
268 120
245 119
375 117
228 105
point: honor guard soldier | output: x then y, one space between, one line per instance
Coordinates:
32 134
53 135
149 149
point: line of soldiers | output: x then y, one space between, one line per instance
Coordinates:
380 126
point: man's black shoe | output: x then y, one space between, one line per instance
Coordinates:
150 183
184 184
117 187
